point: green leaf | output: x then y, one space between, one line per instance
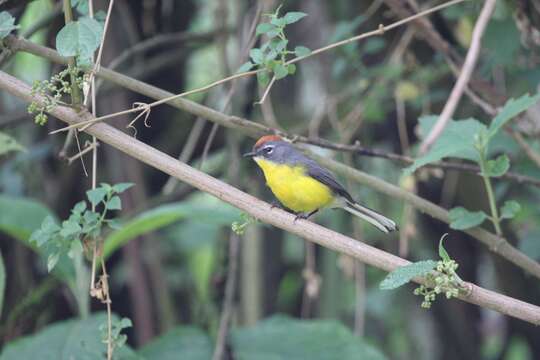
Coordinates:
301 51
264 28
280 337
497 167
280 71
81 6
457 140
510 209
70 228
279 22
404 274
7 24
121 187
79 38
114 203
66 340
7 144
245 67
79 207
462 218
511 109
199 209
443 254
291 68
292 17
256 55
263 78
189 341
278 45
2 281
20 217
114 224
97 195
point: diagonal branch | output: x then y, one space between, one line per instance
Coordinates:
262 210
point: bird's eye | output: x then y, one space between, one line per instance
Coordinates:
268 149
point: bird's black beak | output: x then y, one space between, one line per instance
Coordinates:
250 154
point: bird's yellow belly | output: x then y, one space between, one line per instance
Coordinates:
293 188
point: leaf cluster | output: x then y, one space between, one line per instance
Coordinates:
272 55
470 140
83 224
52 91
443 281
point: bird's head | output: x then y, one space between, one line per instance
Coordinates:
270 147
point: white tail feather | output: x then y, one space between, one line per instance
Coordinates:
381 222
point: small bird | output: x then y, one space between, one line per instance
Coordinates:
304 186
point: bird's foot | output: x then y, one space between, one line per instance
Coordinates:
303 215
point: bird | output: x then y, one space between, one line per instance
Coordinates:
305 187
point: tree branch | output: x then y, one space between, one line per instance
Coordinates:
262 210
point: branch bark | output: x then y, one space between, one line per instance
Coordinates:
262 210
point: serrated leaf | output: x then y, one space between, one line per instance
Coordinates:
280 71
263 78
7 24
114 203
443 254
292 17
121 187
457 140
264 28
497 167
510 209
280 22
49 226
79 38
511 109
256 55
245 67
462 218
278 45
301 51
95 196
79 207
70 228
404 274
8 144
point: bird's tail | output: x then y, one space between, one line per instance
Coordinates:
381 222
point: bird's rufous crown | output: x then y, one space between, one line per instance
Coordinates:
265 139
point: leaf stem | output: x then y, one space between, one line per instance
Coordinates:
75 91
489 189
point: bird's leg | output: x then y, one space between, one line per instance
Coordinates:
275 204
302 215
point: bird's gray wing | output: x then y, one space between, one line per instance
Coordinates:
327 178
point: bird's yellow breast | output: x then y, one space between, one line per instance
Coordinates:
294 188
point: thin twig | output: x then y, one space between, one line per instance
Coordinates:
463 79
264 212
